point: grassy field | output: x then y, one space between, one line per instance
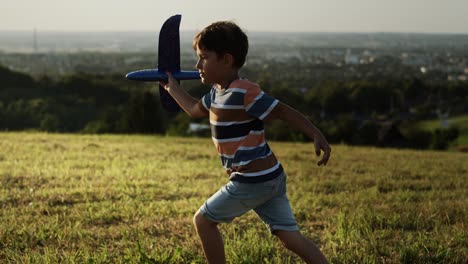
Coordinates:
130 199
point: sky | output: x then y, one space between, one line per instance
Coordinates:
425 16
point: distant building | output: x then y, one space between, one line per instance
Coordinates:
351 58
195 128
415 59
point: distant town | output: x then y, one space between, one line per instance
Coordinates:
56 53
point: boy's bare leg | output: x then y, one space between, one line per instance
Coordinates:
211 239
302 246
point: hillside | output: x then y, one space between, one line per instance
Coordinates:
130 199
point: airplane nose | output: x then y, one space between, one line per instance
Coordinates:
131 76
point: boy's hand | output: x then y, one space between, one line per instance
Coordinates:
171 82
321 143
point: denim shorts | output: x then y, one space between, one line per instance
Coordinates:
267 199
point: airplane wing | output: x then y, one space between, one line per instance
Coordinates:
169 57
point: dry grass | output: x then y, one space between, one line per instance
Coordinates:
130 199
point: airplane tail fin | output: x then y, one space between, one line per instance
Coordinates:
169 57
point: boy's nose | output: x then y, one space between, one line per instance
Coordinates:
198 65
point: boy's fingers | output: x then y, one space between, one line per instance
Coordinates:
169 75
323 161
325 158
317 146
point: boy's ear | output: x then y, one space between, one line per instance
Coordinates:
228 59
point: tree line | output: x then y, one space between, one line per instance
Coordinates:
378 112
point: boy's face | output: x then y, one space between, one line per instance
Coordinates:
210 66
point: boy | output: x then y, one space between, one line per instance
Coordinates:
237 109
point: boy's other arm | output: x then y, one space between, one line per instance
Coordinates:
192 106
299 122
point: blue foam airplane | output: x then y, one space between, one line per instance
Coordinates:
168 61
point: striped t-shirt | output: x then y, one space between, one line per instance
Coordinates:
236 116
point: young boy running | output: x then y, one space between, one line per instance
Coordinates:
237 109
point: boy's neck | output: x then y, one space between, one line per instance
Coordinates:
227 81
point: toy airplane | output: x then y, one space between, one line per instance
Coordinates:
168 61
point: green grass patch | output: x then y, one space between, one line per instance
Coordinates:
130 199
461 122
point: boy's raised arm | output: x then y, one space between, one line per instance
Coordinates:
192 106
299 122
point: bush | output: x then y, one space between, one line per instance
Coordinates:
142 114
96 127
179 125
442 138
417 138
280 131
343 128
367 133
50 123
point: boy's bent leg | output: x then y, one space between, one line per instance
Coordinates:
303 247
210 237
229 202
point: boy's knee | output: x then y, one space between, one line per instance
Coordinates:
200 221
196 218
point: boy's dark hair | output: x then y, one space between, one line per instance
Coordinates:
224 37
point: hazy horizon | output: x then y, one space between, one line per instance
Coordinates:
299 16
38 30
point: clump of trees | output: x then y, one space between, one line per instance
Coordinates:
378 113
78 103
